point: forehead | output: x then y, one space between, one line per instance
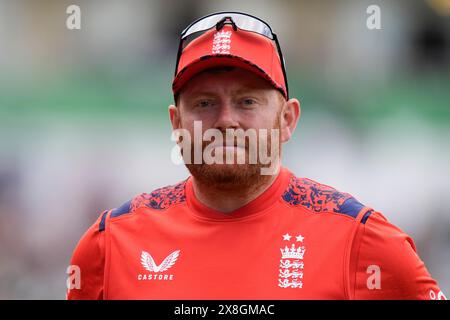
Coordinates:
226 81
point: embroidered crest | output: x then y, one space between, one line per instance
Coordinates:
222 42
291 263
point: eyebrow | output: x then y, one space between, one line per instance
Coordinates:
239 91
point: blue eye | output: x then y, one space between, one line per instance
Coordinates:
204 103
248 102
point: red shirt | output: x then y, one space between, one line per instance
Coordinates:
298 240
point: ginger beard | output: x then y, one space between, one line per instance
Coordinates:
235 176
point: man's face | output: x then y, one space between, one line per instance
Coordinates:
230 99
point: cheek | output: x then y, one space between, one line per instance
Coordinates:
264 122
188 119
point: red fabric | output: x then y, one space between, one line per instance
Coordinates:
247 50
210 255
89 256
402 274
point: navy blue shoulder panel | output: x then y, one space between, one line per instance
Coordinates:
318 198
366 216
125 208
101 226
351 207
162 198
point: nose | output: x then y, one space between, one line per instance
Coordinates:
226 117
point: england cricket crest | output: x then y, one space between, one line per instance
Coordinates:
291 262
222 42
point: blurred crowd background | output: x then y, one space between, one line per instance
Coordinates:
84 124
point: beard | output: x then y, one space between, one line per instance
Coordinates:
227 176
235 176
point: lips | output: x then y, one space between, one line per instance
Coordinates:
224 144
227 145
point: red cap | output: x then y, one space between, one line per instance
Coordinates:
227 47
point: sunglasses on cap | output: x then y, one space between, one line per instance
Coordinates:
238 21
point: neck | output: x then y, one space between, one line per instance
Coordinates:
229 199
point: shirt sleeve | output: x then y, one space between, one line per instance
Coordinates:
87 263
385 265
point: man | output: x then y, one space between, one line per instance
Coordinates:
248 229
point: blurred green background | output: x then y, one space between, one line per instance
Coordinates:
84 123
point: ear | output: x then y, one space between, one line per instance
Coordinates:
290 115
174 115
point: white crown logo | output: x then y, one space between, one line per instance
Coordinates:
222 35
292 253
222 42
